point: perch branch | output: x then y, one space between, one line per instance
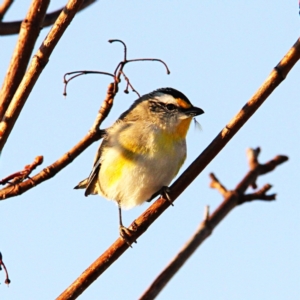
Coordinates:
206 227
30 29
142 223
35 68
8 28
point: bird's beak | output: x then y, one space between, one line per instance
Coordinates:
193 111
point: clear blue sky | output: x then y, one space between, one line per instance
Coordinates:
219 53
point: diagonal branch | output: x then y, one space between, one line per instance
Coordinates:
8 28
93 135
30 29
141 224
206 227
4 7
36 67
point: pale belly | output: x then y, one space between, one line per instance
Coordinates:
133 181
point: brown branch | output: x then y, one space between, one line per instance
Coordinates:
21 175
93 135
141 224
259 195
30 29
8 28
206 227
216 184
36 67
4 7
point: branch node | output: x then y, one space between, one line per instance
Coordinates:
216 184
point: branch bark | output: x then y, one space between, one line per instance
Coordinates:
4 7
140 225
9 28
93 135
206 227
36 67
30 29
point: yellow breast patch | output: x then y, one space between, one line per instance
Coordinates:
114 171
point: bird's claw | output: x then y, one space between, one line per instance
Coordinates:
126 235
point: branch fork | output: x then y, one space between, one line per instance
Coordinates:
205 228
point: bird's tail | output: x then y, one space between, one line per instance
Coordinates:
82 184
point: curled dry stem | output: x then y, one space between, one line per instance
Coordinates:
117 73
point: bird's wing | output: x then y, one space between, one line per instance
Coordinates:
90 184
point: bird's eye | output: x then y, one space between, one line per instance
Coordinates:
170 106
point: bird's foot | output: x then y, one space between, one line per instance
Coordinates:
164 192
126 235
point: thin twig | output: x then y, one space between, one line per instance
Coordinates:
35 68
158 207
4 7
79 73
22 175
216 184
7 280
30 29
9 28
206 227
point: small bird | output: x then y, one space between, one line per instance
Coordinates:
142 151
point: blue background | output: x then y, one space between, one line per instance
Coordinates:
219 53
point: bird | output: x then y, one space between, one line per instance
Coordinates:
142 152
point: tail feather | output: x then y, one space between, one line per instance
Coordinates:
91 186
82 184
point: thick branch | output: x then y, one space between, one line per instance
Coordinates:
36 67
4 7
157 208
206 227
8 28
30 29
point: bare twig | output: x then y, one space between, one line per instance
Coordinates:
36 67
216 184
259 195
79 73
93 135
142 223
8 28
30 29
22 175
206 227
4 8
7 280
129 85
117 73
